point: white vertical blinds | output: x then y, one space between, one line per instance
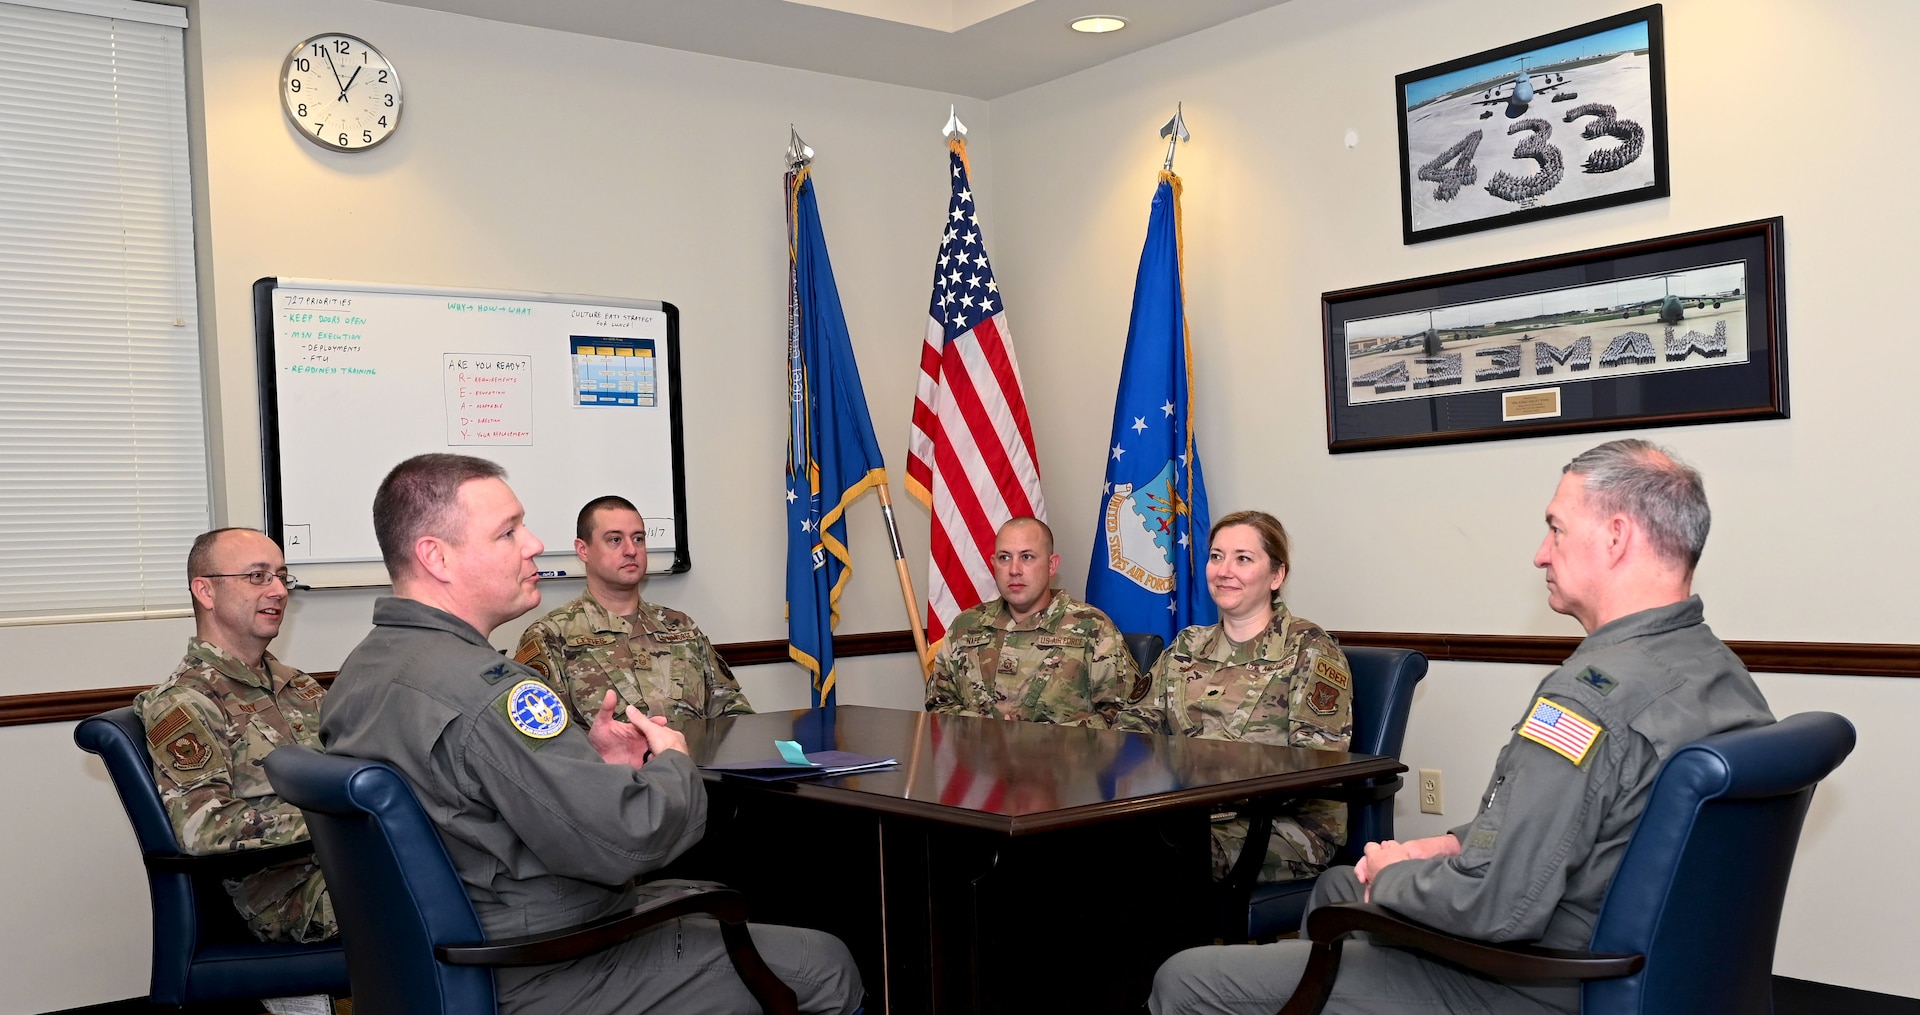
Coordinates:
103 461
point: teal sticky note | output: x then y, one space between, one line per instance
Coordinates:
790 750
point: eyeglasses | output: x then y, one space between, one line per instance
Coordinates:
262 578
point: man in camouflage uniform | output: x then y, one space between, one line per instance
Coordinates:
657 659
1289 687
214 721
1035 653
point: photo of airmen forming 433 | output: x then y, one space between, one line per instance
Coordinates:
1650 324
1552 122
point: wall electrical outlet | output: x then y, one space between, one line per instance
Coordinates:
1430 801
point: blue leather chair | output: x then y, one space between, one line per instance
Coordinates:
1144 647
414 945
202 950
1383 682
1689 923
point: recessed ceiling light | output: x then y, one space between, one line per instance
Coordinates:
1097 24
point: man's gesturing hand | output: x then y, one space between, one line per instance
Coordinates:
634 741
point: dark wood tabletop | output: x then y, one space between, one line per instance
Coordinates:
1019 778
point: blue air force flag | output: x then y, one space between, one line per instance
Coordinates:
1149 550
832 456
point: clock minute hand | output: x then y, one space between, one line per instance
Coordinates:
350 79
328 53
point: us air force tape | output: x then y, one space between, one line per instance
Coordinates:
535 710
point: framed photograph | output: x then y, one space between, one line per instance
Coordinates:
1680 329
1563 123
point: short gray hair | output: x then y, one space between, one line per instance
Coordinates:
1651 485
421 497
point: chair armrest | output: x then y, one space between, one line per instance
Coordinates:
724 904
231 864
1329 925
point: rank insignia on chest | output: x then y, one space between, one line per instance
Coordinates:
1323 698
1560 730
535 710
496 673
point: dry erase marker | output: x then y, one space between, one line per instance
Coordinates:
551 574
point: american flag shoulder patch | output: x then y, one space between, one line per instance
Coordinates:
1561 730
168 727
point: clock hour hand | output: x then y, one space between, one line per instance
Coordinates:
349 84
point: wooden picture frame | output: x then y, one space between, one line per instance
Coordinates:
1681 329
1582 112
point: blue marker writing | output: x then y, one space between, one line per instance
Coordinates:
551 574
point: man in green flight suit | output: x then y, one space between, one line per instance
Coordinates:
1035 653
1624 532
654 658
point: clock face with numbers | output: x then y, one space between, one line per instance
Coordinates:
340 93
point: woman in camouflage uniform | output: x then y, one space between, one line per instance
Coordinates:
1260 675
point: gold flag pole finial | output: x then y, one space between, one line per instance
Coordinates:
1175 132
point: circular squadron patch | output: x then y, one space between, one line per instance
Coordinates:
535 710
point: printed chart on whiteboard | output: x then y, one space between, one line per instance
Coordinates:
575 396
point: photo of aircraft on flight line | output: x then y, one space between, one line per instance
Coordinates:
1581 124
1521 92
1646 324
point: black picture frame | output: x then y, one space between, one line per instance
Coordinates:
1454 138
1682 329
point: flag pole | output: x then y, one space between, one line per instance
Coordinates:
799 156
906 584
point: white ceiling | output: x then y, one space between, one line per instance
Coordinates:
978 48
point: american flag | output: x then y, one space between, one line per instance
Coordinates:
1559 730
970 455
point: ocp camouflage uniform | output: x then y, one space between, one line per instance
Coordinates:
210 725
1289 686
1068 665
660 662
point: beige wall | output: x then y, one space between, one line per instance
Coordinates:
538 160
1770 114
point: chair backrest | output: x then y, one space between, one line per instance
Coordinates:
1700 888
117 737
394 888
1383 682
1144 647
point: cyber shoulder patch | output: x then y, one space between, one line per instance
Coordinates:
1598 681
1561 730
535 710
1329 671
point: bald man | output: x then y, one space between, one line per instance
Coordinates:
212 722
1035 653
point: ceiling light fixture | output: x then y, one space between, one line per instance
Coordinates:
1097 24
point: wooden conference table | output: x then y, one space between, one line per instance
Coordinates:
1001 866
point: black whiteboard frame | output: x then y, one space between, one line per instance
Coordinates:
266 374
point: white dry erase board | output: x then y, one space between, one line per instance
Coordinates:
576 396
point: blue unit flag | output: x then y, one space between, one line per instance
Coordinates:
1150 547
832 456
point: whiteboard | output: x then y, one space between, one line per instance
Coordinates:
576 396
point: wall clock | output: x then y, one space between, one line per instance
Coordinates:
340 93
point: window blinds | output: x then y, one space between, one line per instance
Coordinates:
103 462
